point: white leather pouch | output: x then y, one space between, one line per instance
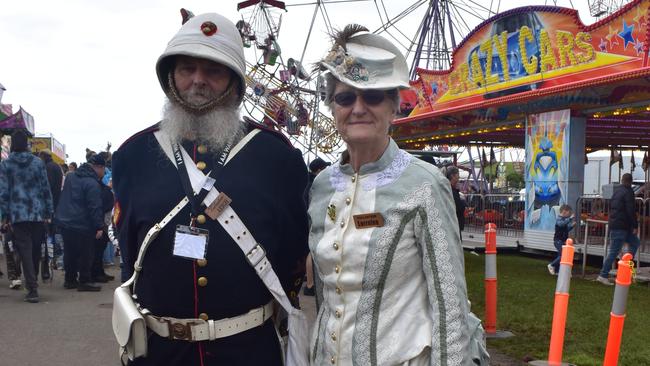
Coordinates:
297 351
129 325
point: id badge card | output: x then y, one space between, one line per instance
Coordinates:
190 242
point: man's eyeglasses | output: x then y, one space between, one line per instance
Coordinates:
371 97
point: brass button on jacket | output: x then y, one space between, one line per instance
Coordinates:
203 281
203 316
202 149
336 246
202 262
200 219
348 201
201 165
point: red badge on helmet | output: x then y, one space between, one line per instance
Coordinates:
208 28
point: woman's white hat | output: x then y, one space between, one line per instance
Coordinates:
364 60
209 36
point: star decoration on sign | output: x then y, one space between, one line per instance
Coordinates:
603 45
626 34
638 46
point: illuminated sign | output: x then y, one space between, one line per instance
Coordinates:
532 48
511 56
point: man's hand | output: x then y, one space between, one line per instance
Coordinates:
98 234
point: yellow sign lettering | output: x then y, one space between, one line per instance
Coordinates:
546 50
454 84
583 42
486 47
530 63
464 77
502 49
571 50
477 73
565 45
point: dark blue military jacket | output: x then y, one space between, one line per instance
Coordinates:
266 181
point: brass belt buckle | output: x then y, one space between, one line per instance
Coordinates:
179 331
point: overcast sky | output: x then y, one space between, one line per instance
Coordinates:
85 68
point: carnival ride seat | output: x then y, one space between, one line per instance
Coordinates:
293 128
271 50
296 69
246 33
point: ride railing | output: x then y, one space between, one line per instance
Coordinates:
505 210
592 215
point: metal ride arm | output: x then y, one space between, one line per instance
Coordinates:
278 95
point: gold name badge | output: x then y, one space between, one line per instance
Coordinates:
218 206
365 221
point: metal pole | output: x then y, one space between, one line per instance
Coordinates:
584 249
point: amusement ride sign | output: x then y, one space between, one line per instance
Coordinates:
533 48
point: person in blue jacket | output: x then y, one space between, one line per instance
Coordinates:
25 204
81 219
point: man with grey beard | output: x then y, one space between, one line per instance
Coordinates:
194 274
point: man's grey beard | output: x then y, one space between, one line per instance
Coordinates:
214 129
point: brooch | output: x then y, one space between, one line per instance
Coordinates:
331 212
347 65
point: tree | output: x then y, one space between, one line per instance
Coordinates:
515 180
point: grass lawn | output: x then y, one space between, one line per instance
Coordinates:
525 307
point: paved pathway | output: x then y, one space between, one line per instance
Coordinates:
66 328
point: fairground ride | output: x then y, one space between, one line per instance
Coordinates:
287 96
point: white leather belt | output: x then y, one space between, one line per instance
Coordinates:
195 330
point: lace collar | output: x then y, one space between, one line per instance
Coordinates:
386 170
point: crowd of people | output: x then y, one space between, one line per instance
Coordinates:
55 217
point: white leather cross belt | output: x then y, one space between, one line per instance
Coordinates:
195 330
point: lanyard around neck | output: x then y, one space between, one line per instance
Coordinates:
196 198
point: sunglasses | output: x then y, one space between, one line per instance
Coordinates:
370 97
